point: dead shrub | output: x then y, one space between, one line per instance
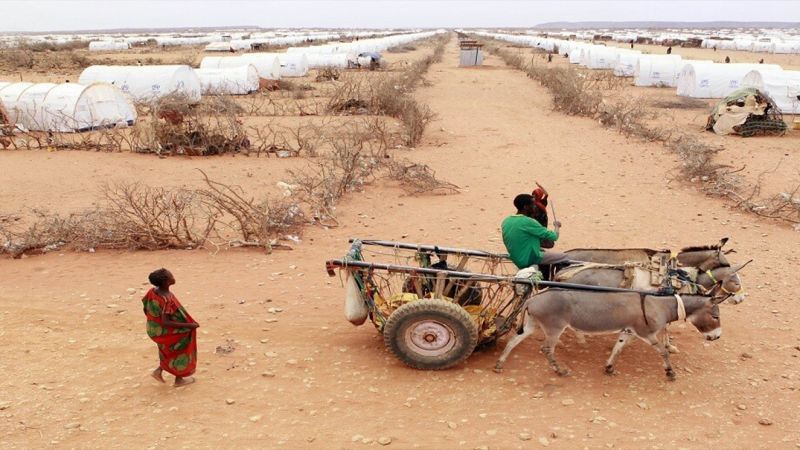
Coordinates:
257 223
328 74
134 216
285 141
416 178
347 167
17 59
175 127
26 59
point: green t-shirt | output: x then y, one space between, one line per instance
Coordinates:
522 237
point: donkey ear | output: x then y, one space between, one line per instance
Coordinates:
740 267
722 242
728 252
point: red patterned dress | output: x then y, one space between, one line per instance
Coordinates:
177 347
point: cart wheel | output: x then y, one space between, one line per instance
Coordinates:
431 334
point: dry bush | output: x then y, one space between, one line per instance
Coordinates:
276 103
44 46
254 222
17 59
151 218
328 74
630 116
401 48
416 178
285 141
172 126
134 216
696 157
26 59
347 167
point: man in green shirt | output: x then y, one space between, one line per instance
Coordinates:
523 236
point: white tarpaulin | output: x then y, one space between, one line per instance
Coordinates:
712 80
66 107
782 86
147 83
240 80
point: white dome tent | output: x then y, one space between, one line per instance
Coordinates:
292 64
600 57
657 70
267 65
224 46
332 60
782 86
147 84
685 78
716 80
68 107
625 64
108 46
240 80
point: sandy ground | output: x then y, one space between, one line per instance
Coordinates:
75 357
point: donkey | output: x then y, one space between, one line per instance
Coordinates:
704 257
614 277
626 313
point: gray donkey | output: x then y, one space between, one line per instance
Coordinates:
629 314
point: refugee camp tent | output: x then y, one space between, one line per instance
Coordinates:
576 55
684 78
786 47
333 60
657 70
600 57
761 47
293 65
782 86
147 83
66 107
106 46
219 47
240 80
712 80
228 46
625 64
267 65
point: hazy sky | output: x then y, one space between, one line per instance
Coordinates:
36 15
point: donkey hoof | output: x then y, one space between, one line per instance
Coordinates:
671 375
498 369
563 372
672 349
610 370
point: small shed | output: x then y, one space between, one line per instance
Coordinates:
471 53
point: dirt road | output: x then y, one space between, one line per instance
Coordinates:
75 357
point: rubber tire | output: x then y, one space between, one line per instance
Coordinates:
454 316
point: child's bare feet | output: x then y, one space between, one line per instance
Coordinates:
183 381
157 375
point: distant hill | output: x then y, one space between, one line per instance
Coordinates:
662 25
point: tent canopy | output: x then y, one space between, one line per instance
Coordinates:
146 84
66 107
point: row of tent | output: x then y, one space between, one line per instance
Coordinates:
105 95
691 78
765 41
110 42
